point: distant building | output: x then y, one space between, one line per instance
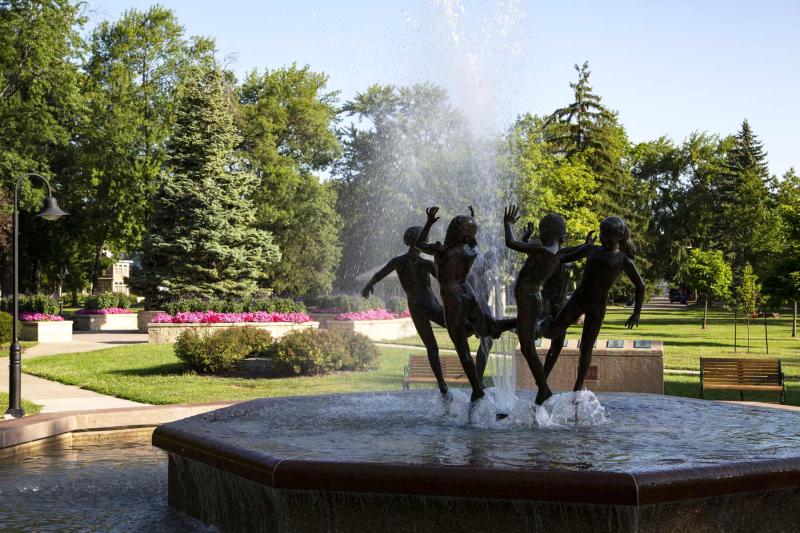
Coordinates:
113 279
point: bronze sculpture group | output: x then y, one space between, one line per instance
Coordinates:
540 291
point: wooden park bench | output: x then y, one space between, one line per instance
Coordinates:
742 375
419 370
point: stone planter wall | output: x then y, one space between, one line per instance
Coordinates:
168 333
377 330
143 318
628 368
46 331
123 322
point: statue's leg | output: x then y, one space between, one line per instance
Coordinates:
529 308
482 357
591 329
556 330
425 332
457 329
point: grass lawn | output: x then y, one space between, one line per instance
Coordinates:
684 340
29 407
152 374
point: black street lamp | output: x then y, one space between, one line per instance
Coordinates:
50 211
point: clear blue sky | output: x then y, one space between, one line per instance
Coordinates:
668 67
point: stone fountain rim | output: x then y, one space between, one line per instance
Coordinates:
635 488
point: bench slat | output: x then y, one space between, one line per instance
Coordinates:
742 374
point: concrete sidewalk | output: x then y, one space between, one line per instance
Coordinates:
55 397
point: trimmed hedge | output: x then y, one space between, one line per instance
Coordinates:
268 305
220 350
318 351
397 305
347 304
36 303
107 300
5 327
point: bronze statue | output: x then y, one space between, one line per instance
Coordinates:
454 259
414 274
539 289
603 266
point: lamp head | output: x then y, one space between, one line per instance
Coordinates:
51 211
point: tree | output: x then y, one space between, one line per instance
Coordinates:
710 274
286 120
748 295
132 75
202 240
40 102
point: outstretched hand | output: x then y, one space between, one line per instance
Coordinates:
528 233
431 212
590 238
633 321
511 214
367 290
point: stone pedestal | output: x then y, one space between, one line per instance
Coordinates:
143 318
168 333
46 331
376 330
617 366
120 322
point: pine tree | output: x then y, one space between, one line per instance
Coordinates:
202 240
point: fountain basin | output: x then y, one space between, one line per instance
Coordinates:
410 462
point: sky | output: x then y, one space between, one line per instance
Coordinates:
668 67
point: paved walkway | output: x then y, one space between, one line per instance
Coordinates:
55 397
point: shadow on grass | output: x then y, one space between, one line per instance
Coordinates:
170 369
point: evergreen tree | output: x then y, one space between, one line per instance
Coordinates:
202 240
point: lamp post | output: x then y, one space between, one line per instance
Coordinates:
50 211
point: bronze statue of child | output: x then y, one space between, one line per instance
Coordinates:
462 312
414 273
534 291
604 265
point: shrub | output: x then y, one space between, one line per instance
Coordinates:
5 327
268 305
314 351
36 303
343 303
397 305
220 350
107 300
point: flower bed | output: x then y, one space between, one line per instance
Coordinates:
44 327
40 317
372 314
212 317
165 328
107 311
107 319
376 324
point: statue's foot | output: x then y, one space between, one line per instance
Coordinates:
477 395
543 395
446 396
501 416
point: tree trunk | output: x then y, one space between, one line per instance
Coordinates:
96 268
794 321
705 313
748 333
766 336
735 313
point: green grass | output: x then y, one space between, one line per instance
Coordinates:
152 374
29 407
684 340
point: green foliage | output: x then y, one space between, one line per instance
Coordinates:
748 291
286 120
106 300
6 325
396 305
344 303
202 240
319 351
269 305
36 303
221 349
708 272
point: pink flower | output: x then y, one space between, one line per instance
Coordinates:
372 314
39 317
106 311
212 317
